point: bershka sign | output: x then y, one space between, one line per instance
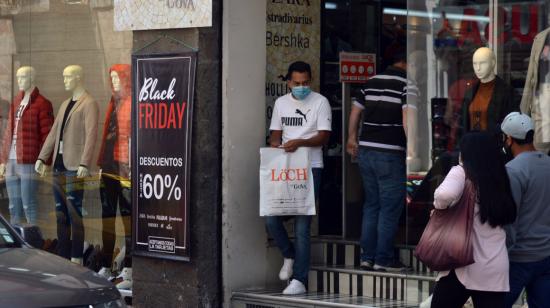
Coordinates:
163 90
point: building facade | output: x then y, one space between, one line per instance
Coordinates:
240 57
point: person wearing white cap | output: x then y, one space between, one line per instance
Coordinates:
528 238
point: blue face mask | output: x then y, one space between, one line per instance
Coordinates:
301 92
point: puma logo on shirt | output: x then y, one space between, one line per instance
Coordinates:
299 112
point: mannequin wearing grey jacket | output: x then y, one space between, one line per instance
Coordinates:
536 94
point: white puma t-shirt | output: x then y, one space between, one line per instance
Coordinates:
302 120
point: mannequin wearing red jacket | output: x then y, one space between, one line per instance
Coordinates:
29 122
115 165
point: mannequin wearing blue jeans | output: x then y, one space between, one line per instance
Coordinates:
21 185
68 193
301 248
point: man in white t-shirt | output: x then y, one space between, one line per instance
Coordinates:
301 118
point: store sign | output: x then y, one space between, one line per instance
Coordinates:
518 22
162 14
163 89
357 67
293 33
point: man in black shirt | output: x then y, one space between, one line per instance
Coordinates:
381 153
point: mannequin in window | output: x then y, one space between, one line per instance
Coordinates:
536 93
29 122
114 162
71 142
490 99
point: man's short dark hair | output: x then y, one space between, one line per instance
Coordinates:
299 67
529 137
400 55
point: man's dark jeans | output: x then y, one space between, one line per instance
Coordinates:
535 278
384 180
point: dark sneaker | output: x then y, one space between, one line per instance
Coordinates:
395 266
367 265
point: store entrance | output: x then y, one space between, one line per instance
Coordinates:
361 26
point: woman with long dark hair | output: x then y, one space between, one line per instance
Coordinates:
486 280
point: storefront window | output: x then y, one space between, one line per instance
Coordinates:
65 125
444 40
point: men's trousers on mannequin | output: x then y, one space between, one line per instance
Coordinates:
114 195
68 194
21 185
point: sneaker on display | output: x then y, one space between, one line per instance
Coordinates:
286 269
106 273
295 288
395 266
126 276
367 265
125 285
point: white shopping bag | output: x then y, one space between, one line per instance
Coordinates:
286 183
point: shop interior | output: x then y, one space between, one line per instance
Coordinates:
441 39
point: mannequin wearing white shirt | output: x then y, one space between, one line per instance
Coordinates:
25 80
29 122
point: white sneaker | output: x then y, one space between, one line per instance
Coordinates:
295 288
106 273
77 260
125 285
126 275
286 270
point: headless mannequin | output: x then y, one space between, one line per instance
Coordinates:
25 80
536 92
72 78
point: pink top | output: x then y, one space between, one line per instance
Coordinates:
490 270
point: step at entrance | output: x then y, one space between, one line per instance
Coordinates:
274 299
351 280
332 251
